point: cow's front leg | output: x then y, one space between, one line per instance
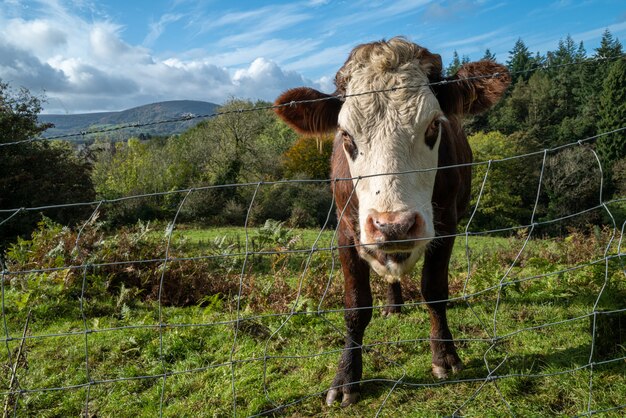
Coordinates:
435 293
394 296
358 313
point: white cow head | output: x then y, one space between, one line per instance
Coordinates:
390 121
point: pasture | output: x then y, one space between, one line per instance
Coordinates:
266 325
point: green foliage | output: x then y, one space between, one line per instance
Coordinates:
36 173
613 113
499 205
309 157
572 184
273 235
489 56
456 63
520 59
541 322
135 167
555 106
236 147
301 204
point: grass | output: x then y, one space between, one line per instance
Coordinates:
283 363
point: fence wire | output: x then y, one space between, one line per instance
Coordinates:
493 335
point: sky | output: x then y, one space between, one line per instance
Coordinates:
87 56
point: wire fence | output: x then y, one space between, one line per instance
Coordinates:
490 374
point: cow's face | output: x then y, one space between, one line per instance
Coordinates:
391 141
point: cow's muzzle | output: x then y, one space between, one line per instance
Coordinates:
394 232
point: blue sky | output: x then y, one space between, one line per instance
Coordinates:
112 54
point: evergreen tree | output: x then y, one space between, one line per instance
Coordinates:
489 56
454 65
538 60
609 46
520 60
592 75
566 90
613 114
565 53
581 52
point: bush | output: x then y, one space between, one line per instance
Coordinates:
36 173
299 204
121 262
500 202
309 156
572 184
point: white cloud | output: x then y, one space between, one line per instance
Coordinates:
86 59
380 11
326 84
450 9
264 27
278 49
84 64
39 35
23 68
105 43
266 79
157 28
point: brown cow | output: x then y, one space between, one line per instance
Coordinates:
391 143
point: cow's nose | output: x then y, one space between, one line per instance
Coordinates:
390 226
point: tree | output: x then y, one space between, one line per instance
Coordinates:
572 184
520 61
612 114
489 56
454 66
609 46
36 173
565 53
241 146
596 72
309 157
499 205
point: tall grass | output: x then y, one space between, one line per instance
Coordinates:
530 356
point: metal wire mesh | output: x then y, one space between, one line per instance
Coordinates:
493 334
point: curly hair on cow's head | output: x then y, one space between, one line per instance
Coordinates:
388 56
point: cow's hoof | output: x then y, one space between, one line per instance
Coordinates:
441 372
346 400
391 310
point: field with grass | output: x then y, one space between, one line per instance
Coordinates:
225 322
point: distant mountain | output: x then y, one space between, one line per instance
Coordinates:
155 112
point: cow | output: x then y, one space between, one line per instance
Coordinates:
398 125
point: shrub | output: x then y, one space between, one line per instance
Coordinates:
130 259
309 156
300 204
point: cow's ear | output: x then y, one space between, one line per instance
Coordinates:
474 88
308 111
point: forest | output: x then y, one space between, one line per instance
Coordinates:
556 98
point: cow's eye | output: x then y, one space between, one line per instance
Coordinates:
349 145
432 133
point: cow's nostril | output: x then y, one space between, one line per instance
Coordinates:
393 225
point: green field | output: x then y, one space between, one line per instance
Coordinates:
525 336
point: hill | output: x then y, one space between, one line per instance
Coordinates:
146 114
